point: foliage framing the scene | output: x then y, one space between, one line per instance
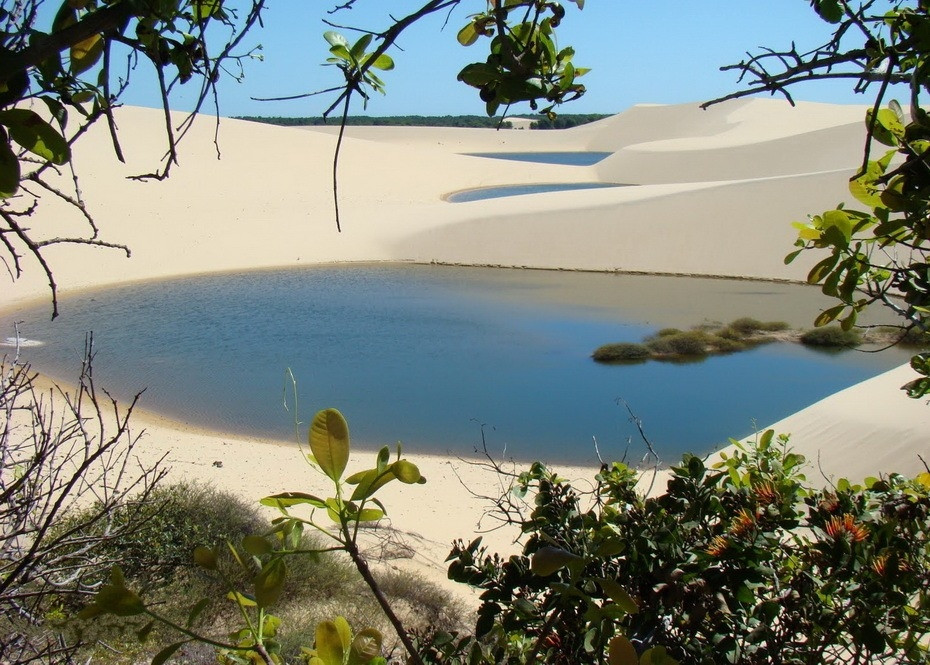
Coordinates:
879 254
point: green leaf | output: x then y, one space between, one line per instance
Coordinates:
822 269
468 35
9 169
205 557
891 121
329 645
269 583
830 11
256 545
478 74
114 598
365 647
341 52
829 315
359 48
143 633
329 442
406 472
370 515
335 39
197 610
345 632
619 595
207 8
384 62
162 656
241 599
621 652
766 440
548 560
86 53
288 499
30 131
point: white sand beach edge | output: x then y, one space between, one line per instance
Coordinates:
715 194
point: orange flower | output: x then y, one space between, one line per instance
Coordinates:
846 526
717 546
743 523
766 493
879 564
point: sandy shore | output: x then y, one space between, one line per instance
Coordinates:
716 192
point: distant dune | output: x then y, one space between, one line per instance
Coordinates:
734 175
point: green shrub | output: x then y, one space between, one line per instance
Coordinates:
667 332
743 562
691 343
165 529
915 337
621 352
831 337
748 325
726 345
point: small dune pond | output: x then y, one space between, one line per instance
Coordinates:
431 355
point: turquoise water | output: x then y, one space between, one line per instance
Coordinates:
565 158
519 190
427 355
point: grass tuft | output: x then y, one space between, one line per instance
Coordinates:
831 337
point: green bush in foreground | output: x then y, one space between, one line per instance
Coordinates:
831 336
743 562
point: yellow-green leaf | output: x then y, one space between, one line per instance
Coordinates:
329 442
329 647
619 595
621 652
241 599
467 35
548 560
269 583
9 170
344 630
30 131
256 545
406 472
365 646
205 557
86 53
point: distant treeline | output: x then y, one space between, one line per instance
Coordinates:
539 122
568 120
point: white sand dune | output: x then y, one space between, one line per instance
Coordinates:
715 194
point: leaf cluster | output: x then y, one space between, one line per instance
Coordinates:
525 63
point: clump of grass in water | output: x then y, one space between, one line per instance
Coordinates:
831 337
675 345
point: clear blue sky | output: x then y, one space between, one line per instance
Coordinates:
639 52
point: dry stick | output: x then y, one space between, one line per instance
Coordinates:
342 131
360 564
